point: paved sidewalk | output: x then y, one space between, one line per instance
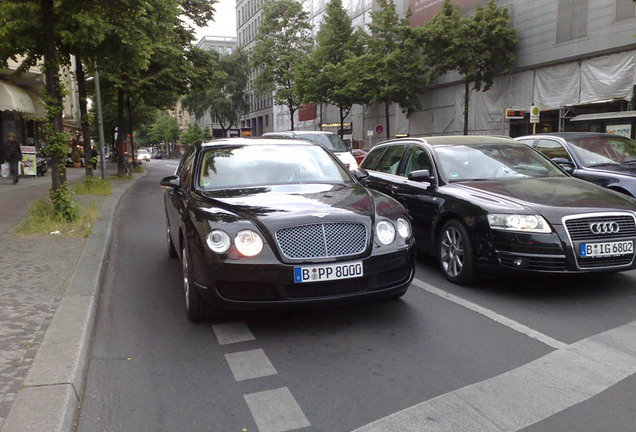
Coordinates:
36 274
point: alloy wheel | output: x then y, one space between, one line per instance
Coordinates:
452 251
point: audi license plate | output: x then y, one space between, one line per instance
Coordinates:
328 272
606 249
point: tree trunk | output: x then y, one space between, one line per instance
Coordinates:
133 147
120 132
86 127
291 114
58 168
386 115
466 100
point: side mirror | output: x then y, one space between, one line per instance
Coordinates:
360 174
421 176
171 182
564 163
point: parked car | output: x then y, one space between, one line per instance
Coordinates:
328 140
359 155
143 155
488 205
261 223
609 160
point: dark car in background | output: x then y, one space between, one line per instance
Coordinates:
487 205
609 160
280 223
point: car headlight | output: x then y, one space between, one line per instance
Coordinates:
249 243
218 241
517 222
385 232
403 228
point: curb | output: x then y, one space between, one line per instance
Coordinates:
49 399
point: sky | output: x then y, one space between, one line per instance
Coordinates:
224 23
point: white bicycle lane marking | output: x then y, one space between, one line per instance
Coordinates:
528 394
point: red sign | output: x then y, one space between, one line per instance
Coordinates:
307 112
424 10
379 129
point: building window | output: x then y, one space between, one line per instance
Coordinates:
266 120
625 9
572 20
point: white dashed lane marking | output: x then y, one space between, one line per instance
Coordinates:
250 364
232 333
276 411
510 323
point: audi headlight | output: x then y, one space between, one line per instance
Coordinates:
385 232
218 241
249 243
403 228
515 222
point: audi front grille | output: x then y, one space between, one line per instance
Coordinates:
322 240
601 227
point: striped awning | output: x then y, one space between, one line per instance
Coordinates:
14 98
39 113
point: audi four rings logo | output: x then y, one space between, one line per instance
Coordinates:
605 227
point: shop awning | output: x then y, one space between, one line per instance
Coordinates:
39 113
616 115
14 98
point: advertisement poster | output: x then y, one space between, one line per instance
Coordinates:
29 166
620 129
423 10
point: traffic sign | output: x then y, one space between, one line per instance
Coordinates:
534 114
370 132
379 129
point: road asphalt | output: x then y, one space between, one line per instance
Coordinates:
49 289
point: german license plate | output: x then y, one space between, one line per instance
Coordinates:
328 272
606 249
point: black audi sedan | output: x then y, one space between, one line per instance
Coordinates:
261 223
609 160
486 204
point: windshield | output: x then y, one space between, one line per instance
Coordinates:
492 162
329 141
246 166
604 150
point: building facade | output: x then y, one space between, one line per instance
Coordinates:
22 111
260 118
574 58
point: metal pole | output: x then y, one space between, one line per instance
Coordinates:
100 122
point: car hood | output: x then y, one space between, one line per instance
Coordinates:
623 169
551 197
286 205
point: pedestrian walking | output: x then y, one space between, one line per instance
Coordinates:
13 155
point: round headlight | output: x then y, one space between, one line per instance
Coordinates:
385 232
218 241
248 243
403 228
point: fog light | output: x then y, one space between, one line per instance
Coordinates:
519 262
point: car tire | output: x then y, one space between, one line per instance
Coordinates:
172 251
195 305
455 253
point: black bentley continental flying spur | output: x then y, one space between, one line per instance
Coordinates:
486 205
281 223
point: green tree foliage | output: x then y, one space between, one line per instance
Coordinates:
390 70
325 76
283 42
195 134
222 93
477 47
164 129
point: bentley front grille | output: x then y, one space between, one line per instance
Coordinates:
323 240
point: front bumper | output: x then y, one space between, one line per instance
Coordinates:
545 253
245 285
